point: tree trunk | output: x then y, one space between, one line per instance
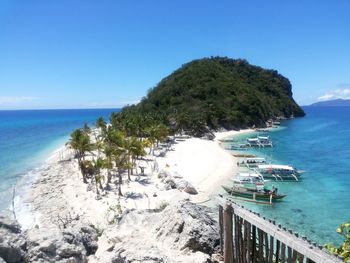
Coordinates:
120 184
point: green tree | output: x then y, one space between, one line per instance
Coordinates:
344 249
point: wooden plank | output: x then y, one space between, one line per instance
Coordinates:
278 244
228 234
245 238
241 239
283 253
302 247
261 245
266 240
289 259
236 244
294 257
271 250
254 256
249 242
221 223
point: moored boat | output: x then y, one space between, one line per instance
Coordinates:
269 195
278 172
248 180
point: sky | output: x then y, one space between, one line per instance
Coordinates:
106 54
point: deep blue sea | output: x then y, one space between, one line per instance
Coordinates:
319 143
28 137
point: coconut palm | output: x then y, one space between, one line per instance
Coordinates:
80 142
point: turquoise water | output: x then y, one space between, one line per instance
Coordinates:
28 137
319 144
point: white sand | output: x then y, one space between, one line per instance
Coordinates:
59 191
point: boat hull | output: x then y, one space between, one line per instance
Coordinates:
246 193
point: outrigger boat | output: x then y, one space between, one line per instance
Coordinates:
248 180
260 141
279 172
253 162
238 147
252 194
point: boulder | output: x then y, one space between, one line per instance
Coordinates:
180 233
187 187
12 242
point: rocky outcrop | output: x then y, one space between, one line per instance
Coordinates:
13 244
176 182
73 244
180 233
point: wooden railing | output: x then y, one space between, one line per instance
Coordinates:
247 237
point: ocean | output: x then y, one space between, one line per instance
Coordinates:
319 143
29 137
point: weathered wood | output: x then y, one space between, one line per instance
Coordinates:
228 234
266 241
254 256
283 253
302 247
221 224
241 223
236 243
270 260
245 242
294 257
249 242
301 258
261 245
290 255
278 244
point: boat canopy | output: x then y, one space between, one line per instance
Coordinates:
248 175
275 167
256 160
253 140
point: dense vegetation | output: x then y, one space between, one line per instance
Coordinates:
220 92
344 249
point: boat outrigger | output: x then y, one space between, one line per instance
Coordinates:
266 195
279 172
260 141
253 162
248 180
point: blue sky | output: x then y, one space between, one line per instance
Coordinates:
96 54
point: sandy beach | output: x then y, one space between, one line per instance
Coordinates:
59 190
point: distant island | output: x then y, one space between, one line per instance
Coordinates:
219 92
332 103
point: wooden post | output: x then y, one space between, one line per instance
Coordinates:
248 242
221 223
228 234
290 255
261 245
254 256
271 250
277 250
283 253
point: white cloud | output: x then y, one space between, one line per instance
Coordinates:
15 100
343 93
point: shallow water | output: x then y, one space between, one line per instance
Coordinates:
27 138
319 144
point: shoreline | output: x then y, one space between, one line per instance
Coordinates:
58 188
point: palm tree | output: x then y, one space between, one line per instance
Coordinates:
99 163
80 142
108 152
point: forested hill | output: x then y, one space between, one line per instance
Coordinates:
332 103
221 92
